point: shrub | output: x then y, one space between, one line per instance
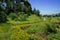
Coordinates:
22 16
3 17
51 28
33 18
54 36
18 16
36 28
13 16
17 34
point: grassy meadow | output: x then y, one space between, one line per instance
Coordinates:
19 20
34 28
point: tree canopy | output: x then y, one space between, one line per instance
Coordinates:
16 6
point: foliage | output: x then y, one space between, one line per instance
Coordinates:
18 34
51 28
33 18
15 6
37 12
13 16
31 29
14 32
18 16
36 28
3 17
54 36
23 23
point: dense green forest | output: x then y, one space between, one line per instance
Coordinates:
19 22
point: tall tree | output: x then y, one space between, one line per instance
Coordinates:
37 12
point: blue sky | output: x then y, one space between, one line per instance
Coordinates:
46 6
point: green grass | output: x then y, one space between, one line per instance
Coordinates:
27 30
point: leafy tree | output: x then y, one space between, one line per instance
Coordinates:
37 12
15 6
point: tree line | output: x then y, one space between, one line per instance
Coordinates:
15 6
53 15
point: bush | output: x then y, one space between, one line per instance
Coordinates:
3 17
17 34
36 28
33 18
18 16
22 16
51 28
54 36
13 16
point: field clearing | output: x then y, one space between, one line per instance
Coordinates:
27 30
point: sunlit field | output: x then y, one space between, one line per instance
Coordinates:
29 20
35 28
